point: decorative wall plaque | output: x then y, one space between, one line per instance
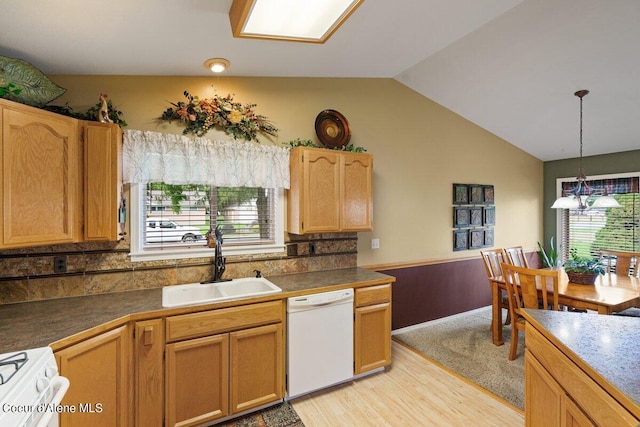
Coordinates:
474 215
460 194
460 240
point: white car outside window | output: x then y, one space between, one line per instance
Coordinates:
162 230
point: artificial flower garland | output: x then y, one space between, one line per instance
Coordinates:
224 113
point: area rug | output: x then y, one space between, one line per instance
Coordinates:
282 415
463 344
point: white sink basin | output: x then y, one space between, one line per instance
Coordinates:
247 286
198 293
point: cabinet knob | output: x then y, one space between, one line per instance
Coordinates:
147 335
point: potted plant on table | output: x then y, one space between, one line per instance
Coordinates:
549 259
583 269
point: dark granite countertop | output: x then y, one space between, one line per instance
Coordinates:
608 344
40 323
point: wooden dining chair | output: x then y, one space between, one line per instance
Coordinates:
515 256
622 263
528 288
492 259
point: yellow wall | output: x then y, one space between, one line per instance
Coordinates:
420 150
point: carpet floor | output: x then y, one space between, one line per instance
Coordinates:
463 344
281 415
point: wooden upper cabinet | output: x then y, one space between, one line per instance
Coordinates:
320 195
102 172
59 176
357 192
330 191
40 170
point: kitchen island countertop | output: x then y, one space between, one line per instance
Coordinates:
41 323
608 346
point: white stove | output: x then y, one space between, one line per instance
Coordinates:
30 388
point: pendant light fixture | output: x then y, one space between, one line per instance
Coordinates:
592 199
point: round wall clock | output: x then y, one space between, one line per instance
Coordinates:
332 129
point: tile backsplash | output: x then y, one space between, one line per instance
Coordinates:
92 268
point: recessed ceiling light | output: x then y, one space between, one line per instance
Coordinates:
294 20
217 65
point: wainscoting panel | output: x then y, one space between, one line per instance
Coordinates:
439 289
432 291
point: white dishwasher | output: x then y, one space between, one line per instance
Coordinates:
319 341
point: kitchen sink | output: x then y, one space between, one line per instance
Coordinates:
201 293
248 286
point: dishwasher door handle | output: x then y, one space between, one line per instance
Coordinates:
321 299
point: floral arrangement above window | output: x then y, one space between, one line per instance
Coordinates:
224 113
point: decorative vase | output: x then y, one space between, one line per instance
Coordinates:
582 278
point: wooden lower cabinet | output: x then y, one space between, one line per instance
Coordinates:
547 402
372 333
558 392
98 370
148 386
197 377
542 391
215 376
572 414
196 368
257 367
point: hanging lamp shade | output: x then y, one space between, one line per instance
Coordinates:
566 202
605 202
576 200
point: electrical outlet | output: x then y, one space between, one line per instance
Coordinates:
375 243
60 264
312 248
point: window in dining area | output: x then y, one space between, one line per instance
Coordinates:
590 230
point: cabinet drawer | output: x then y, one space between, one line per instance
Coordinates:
373 295
599 405
223 320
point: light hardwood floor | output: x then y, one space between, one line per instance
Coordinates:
413 392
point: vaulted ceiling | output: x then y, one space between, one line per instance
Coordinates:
510 66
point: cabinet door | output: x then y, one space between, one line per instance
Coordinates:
372 337
321 193
257 367
98 370
572 415
197 380
357 191
542 395
40 178
102 171
149 373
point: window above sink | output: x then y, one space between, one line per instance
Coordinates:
171 221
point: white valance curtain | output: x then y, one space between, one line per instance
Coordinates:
178 159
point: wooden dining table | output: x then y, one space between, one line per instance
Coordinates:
609 294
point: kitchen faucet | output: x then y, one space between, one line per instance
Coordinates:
218 260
